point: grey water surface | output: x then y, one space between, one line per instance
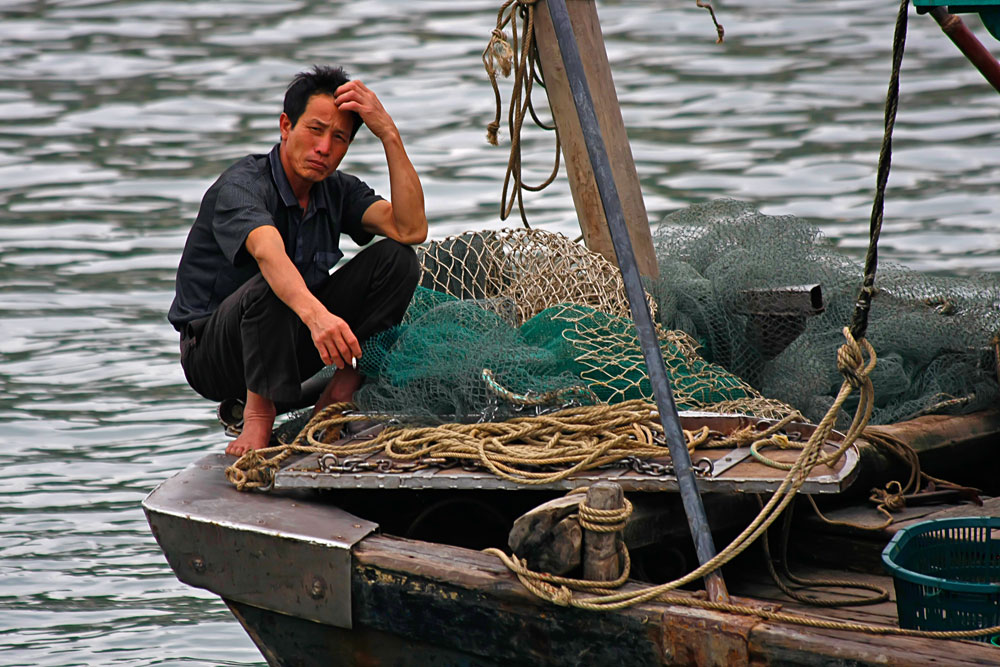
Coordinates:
116 115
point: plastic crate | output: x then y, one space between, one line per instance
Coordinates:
947 575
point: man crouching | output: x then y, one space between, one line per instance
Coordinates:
258 305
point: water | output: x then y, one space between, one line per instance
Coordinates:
116 116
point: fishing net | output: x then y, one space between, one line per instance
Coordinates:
750 310
744 285
511 321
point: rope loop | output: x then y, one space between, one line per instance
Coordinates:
252 471
851 360
604 521
891 497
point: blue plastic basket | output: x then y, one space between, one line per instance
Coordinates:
947 575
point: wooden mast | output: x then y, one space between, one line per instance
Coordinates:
586 198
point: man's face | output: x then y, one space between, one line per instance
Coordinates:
314 147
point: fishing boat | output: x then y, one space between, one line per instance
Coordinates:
334 551
377 576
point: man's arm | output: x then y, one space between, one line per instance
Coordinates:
331 335
403 219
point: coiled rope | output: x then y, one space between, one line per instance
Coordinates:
850 362
574 439
517 55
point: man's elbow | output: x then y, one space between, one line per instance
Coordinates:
415 233
417 237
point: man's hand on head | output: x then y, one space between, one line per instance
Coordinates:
334 340
356 96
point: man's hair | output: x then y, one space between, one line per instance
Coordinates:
320 80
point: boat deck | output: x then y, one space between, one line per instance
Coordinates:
721 470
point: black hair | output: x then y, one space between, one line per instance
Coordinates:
320 80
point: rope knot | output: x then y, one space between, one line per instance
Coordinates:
562 596
851 361
891 497
491 133
498 54
251 471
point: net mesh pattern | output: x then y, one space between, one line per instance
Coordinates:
547 318
935 336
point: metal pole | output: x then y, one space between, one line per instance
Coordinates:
693 507
969 44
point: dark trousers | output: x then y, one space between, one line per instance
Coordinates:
254 341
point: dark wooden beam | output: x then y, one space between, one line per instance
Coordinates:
593 223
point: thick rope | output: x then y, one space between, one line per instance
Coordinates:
545 398
892 497
603 521
859 323
255 470
786 574
577 439
507 58
500 54
560 590
521 450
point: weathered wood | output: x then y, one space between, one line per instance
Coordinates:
462 599
417 590
777 644
600 549
854 548
548 537
452 602
941 433
593 223
540 536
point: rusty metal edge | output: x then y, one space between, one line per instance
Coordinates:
238 545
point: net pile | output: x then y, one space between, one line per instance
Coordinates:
936 336
511 321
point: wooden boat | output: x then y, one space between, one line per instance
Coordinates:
376 566
369 576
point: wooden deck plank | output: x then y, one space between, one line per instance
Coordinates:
748 476
445 583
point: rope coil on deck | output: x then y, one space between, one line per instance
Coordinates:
574 439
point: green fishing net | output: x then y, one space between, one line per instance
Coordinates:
511 322
743 284
750 311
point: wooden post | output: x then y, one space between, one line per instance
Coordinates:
610 198
600 550
586 198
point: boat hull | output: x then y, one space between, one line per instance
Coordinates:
416 602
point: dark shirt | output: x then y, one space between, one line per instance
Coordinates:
252 193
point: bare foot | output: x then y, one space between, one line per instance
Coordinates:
258 422
340 389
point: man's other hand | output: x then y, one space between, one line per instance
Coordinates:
334 340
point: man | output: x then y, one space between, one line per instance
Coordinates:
257 303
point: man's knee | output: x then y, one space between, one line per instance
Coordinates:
401 259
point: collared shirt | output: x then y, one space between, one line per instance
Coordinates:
252 193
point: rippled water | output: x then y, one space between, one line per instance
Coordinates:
116 116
